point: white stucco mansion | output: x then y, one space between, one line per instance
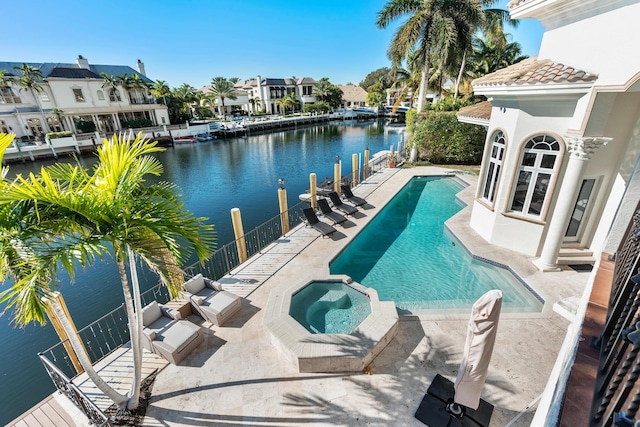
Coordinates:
73 92
563 134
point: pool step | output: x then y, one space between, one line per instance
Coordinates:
333 295
574 255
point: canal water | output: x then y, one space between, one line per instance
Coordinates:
214 178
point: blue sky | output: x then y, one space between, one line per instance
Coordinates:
192 41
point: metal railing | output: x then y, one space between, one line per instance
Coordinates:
69 389
617 394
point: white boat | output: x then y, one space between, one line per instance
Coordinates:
364 112
203 137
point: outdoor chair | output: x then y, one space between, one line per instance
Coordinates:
338 204
358 201
330 213
166 334
210 301
313 221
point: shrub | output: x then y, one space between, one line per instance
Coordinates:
85 125
441 139
137 123
54 135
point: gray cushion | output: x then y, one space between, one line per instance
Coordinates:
151 313
195 284
222 301
178 336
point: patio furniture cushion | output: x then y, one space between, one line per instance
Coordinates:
178 336
197 299
222 301
151 313
195 284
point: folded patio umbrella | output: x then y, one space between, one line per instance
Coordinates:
481 336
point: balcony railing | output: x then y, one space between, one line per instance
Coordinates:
617 394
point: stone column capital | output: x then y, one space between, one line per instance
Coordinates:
582 148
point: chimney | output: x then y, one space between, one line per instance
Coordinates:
82 62
140 66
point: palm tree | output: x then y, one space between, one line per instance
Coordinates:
6 80
222 88
160 89
488 58
29 81
64 216
185 95
110 84
429 24
59 114
139 87
492 26
126 83
256 103
322 89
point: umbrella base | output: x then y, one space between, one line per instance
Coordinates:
433 408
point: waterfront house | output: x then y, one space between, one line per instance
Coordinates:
558 179
268 90
353 96
75 93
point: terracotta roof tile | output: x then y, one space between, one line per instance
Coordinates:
481 110
532 71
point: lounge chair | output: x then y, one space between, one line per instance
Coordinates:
338 204
358 201
330 213
167 335
312 220
210 301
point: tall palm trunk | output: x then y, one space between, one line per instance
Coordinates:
460 73
45 128
424 82
77 346
136 333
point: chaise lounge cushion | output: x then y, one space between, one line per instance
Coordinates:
195 284
151 313
178 336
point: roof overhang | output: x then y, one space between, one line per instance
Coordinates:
473 120
551 91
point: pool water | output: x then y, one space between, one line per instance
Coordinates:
409 257
329 307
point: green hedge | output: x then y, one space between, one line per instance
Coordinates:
442 139
54 135
137 123
85 125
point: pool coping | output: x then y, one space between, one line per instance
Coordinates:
310 352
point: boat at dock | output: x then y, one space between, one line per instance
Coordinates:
184 139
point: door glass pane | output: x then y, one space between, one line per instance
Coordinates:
580 207
521 191
539 193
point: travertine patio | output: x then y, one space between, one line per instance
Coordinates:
237 377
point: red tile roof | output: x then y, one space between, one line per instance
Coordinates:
532 71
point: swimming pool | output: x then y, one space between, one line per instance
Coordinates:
409 257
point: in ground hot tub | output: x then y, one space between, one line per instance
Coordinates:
330 325
329 307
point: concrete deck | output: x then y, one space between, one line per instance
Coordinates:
237 377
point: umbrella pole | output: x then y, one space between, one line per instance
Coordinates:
455 410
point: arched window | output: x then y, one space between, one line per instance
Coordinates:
539 163
490 184
100 95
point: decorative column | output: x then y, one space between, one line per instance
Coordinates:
580 151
